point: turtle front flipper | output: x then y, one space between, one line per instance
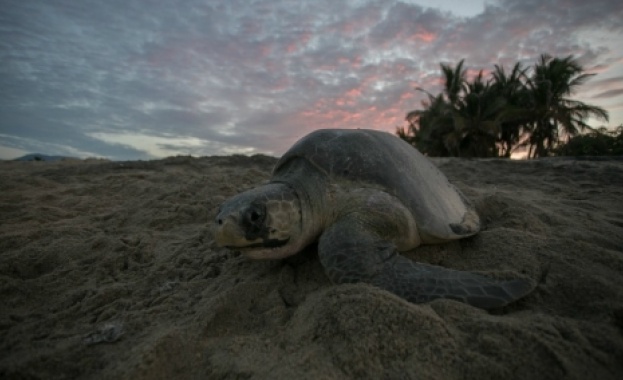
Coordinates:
352 251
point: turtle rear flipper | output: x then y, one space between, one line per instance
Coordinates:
422 282
351 252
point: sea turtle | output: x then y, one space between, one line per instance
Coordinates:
365 196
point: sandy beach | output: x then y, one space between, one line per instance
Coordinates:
108 270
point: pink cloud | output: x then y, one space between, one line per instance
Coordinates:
472 73
355 92
425 36
299 43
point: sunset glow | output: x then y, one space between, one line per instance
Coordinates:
212 77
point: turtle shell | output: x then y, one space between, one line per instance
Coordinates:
379 159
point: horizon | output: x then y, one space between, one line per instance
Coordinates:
202 78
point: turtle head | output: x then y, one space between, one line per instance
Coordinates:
263 223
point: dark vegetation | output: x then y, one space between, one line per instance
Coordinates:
528 108
598 142
42 157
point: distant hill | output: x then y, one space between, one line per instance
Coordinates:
43 157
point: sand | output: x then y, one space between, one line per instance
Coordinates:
108 270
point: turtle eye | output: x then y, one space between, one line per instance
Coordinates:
254 215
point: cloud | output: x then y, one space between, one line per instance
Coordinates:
20 146
615 81
169 145
9 153
215 77
610 93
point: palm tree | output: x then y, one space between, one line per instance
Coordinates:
476 120
493 117
454 81
556 117
462 121
515 119
427 127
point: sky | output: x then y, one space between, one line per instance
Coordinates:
144 79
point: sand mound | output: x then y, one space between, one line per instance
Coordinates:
108 270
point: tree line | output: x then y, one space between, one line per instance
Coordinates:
528 108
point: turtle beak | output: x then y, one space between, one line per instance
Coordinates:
240 229
227 231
